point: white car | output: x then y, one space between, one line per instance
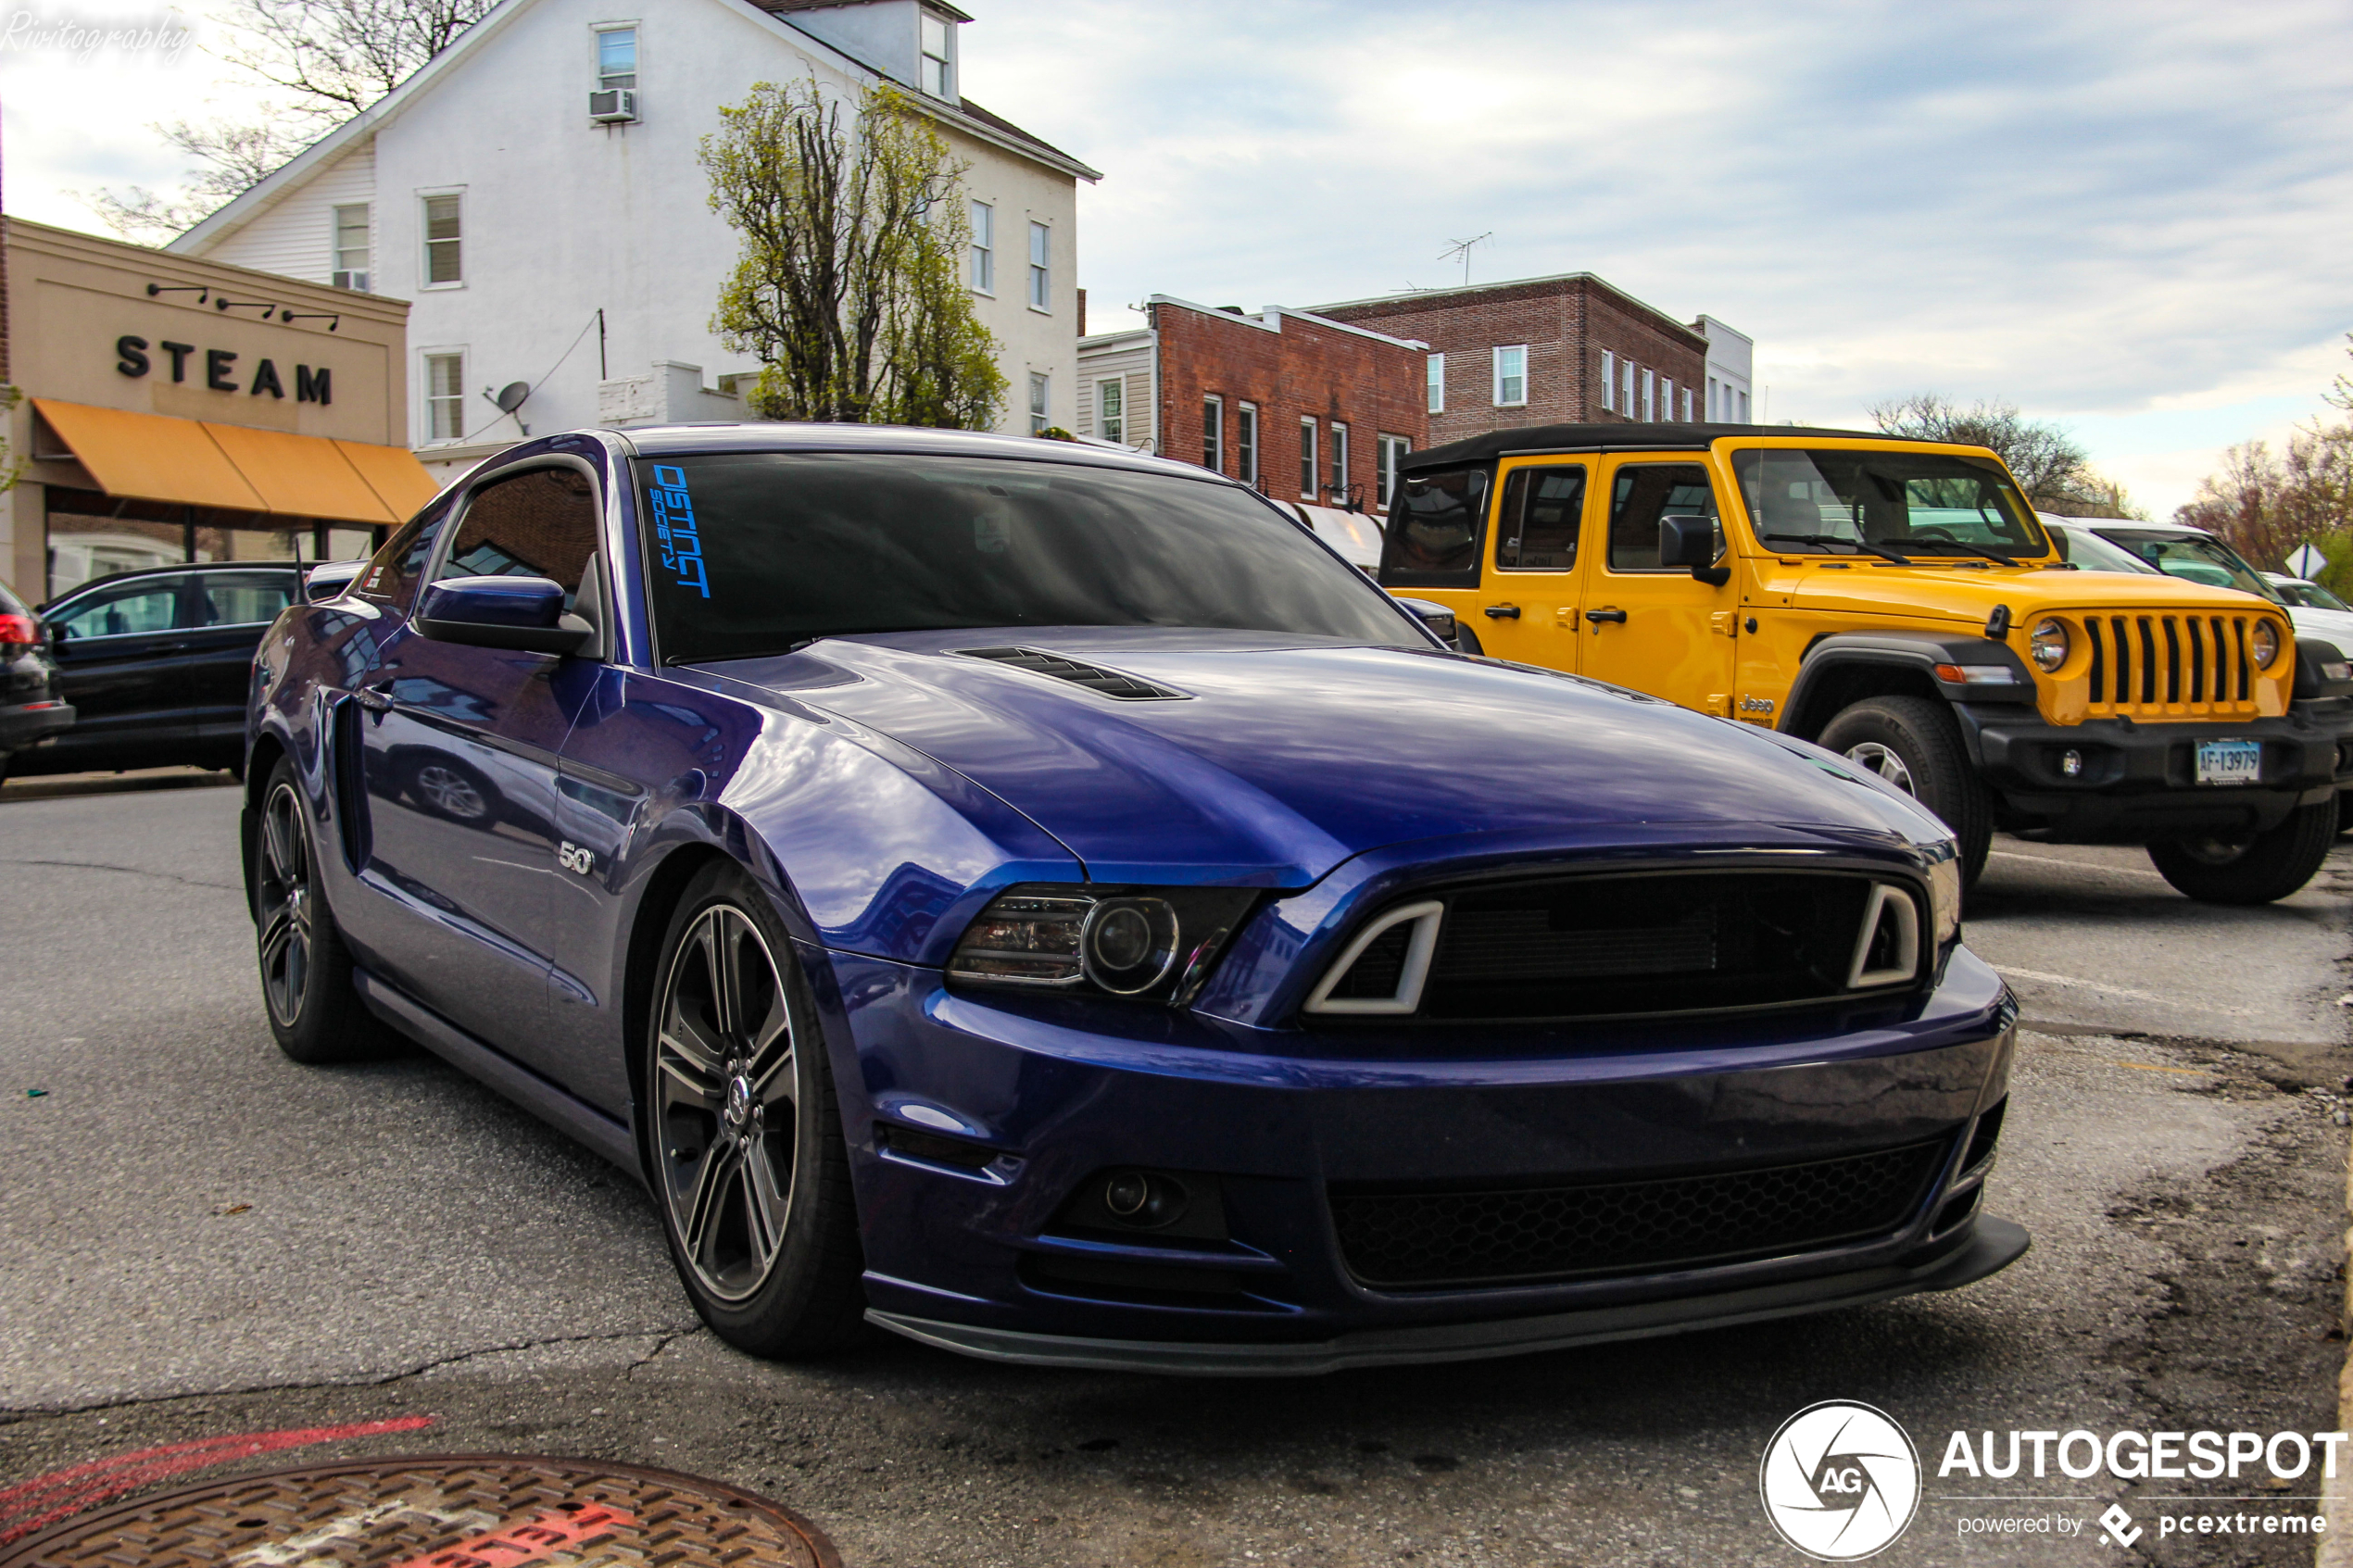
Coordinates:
2122 545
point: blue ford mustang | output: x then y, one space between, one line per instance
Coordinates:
1039 899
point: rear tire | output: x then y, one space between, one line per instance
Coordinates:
315 1011
742 1136
1913 744
2269 865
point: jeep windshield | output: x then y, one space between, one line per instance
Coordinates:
756 553
1894 505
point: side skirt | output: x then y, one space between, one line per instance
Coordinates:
548 1101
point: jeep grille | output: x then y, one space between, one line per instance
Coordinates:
2153 665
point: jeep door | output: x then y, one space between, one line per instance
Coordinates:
1529 602
1658 630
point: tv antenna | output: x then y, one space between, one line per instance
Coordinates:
1463 248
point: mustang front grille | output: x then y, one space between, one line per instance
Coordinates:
1424 1240
2145 663
1618 945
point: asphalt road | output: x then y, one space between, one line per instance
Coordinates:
199 1238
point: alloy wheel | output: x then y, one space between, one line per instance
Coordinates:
286 904
1883 761
450 791
726 1097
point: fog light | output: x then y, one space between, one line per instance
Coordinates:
1144 1200
2071 763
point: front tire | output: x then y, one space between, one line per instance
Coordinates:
2255 870
315 1011
1913 744
743 1137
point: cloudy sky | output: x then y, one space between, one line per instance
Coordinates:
2134 219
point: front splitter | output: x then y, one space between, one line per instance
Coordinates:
1994 1246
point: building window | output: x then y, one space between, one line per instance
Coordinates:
1213 434
1339 464
1040 396
1609 380
1711 399
1511 376
939 74
1666 398
1626 390
1687 405
984 247
1306 456
442 262
1108 423
351 248
1650 398
1040 279
446 396
1744 418
616 57
1246 443
1387 452
1438 384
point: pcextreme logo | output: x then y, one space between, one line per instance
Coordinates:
1839 1481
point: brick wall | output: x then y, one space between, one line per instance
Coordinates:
1567 324
1308 369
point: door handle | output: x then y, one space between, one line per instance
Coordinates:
375 698
1503 612
1598 616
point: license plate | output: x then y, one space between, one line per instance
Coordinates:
2230 761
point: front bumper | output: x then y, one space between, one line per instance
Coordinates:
984 1258
2136 782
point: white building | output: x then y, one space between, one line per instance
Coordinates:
534 192
1731 363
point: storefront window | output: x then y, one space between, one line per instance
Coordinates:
93 535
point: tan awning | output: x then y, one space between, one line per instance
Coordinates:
197 463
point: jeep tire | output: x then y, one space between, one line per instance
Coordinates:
2255 870
1912 743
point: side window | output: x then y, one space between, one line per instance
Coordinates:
1435 527
538 523
152 604
239 599
1538 524
1645 492
392 571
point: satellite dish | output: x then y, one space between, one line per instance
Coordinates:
511 395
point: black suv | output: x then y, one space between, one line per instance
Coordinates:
156 665
31 705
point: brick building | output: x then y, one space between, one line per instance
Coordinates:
1569 349
1308 409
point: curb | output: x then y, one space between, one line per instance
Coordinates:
2334 1549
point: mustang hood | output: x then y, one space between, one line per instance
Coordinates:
1284 756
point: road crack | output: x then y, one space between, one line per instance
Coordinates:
126 871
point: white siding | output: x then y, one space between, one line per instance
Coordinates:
1133 367
296 237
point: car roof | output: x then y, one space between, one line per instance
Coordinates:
174 568
682 440
1608 438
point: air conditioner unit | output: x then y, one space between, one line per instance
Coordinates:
615 107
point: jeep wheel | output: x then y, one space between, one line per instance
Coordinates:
2253 870
1914 744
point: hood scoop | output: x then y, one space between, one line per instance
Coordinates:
1094 677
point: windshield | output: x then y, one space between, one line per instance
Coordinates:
1910 503
2312 596
2193 558
2089 552
757 552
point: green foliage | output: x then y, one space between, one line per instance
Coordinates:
849 288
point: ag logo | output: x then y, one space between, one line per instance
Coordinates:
1839 1481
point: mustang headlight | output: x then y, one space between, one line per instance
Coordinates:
1944 894
2264 643
1155 942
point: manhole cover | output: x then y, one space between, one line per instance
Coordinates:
472 1511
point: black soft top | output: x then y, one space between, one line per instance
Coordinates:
1600 438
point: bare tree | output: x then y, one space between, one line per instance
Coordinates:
2049 464
331 59
2267 503
848 290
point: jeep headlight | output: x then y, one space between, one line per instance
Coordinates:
2264 642
1944 893
1154 942
2047 644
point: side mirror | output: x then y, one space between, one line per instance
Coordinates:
1438 617
526 613
1691 541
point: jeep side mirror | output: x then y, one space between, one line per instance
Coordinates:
500 612
1685 540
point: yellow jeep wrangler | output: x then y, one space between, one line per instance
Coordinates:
1897 602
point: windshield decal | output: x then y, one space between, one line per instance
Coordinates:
674 527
